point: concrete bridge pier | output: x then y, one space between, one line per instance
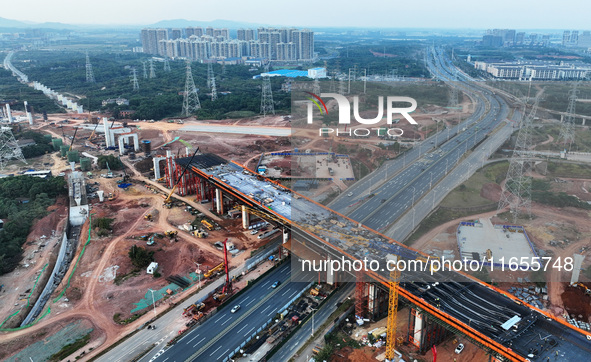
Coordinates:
423 330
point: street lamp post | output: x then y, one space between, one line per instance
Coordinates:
153 301
431 182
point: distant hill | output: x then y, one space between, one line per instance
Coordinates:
220 23
9 23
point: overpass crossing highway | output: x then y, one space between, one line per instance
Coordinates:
474 309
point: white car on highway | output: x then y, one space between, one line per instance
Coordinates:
236 308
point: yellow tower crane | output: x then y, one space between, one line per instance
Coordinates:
392 309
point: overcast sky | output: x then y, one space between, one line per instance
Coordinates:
519 14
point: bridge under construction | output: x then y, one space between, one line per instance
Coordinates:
442 303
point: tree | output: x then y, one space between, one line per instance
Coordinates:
140 257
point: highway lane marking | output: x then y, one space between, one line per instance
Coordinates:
198 343
240 330
226 351
252 329
287 291
227 320
294 293
267 282
245 299
191 340
217 320
272 311
215 350
249 303
263 311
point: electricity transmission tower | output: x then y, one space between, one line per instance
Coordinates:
267 106
136 85
89 73
342 85
145 70
9 149
166 65
214 92
191 99
316 87
332 83
517 191
211 82
209 74
567 130
152 70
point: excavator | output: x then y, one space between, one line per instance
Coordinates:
167 201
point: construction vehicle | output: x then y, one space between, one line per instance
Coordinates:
171 233
167 201
148 217
109 173
585 288
209 226
125 175
151 241
202 234
213 270
111 197
197 316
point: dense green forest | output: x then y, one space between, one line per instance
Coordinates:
18 216
158 97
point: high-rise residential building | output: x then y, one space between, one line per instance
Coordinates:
223 33
245 34
585 40
304 42
285 44
175 34
566 37
574 37
193 31
519 38
151 40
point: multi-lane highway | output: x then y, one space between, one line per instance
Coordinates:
220 335
378 201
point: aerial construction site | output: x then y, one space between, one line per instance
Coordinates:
270 238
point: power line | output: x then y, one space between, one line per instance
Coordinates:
166 65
